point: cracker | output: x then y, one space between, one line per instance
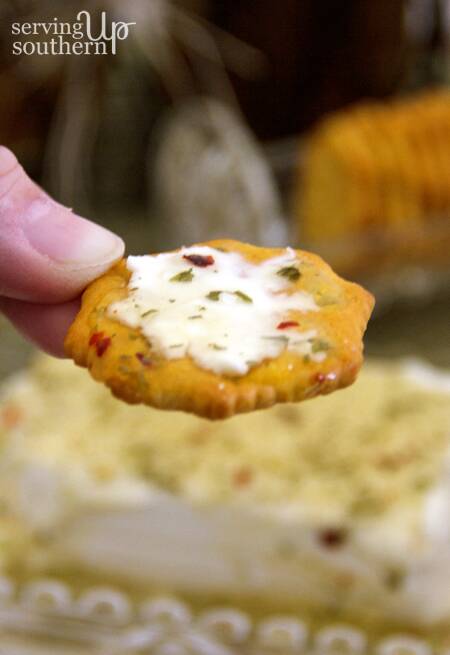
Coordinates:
375 191
320 346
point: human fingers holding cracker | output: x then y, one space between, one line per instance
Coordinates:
47 257
215 329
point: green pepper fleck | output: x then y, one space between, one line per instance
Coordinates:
319 345
214 295
290 272
183 276
243 296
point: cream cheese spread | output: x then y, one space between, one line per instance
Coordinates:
217 308
337 510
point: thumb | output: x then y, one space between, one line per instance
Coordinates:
47 253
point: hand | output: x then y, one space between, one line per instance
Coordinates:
48 255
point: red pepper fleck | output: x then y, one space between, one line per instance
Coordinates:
242 477
95 338
11 416
102 345
286 324
333 537
200 260
145 361
100 342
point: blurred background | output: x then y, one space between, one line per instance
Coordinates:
325 125
320 124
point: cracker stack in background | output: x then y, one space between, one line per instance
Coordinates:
376 184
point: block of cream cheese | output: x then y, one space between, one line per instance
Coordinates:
340 506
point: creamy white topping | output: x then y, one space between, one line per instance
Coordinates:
224 315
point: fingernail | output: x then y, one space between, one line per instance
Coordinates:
68 239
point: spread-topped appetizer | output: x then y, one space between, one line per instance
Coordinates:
220 328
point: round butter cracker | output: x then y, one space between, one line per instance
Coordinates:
220 328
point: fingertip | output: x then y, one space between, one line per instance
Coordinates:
44 325
48 253
8 160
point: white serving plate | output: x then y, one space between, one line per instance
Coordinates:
45 616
